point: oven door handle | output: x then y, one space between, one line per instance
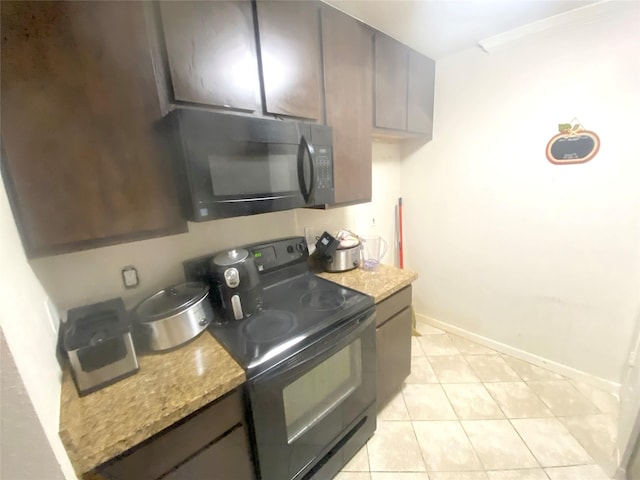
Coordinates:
334 342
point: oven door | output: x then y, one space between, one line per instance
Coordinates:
304 406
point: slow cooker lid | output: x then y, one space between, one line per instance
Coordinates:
348 242
171 301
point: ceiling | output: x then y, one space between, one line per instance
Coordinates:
438 28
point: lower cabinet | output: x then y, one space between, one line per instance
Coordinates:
393 343
225 459
209 444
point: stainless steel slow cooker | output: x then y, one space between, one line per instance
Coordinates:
346 257
173 316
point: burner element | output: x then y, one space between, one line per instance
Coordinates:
269 325
322 300
307 283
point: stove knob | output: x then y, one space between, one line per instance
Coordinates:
300 247
290 248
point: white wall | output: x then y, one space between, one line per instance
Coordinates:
30 333
540 257
26 453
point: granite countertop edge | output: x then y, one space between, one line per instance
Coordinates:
84 464
380 283
87 451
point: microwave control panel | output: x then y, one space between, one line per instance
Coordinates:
324 171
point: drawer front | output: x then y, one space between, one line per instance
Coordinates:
227 459
393 343
390 306
172 446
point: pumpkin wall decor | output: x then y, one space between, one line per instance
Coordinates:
573 144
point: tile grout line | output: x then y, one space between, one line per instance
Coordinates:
535 393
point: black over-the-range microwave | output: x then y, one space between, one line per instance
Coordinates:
230 165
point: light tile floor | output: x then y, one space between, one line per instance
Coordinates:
467 412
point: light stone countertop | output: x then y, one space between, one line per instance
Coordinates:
380 283
168 387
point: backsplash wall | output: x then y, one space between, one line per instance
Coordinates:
90 276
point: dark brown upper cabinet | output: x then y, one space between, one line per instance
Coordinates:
404 89
420 94
79 100
289 35
348 78
391 60
211 51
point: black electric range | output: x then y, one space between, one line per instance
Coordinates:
310 362
298 306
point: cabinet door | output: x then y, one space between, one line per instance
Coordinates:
290 54
393 343
226 459
169 448
391 60
348 78
420 93
211 48
79 101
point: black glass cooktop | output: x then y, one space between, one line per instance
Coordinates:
298 307
295 312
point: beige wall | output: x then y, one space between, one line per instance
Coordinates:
30 332
540 257
26 453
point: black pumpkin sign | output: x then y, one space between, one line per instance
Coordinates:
573 147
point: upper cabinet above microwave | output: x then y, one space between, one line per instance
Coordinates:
211 51
290 52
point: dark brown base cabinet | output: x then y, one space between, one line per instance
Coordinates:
393 343
211 444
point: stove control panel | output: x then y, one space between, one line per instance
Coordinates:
279 253
271 255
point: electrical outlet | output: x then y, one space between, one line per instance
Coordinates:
130 277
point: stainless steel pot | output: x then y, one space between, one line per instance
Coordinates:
343 259
174 315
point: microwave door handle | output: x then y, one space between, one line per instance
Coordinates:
305 147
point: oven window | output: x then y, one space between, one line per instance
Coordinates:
314 395
257 168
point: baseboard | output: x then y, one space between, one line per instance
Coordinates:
556 367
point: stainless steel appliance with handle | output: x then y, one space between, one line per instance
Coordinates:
232 165
238 284
97 340
338 254
173 316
